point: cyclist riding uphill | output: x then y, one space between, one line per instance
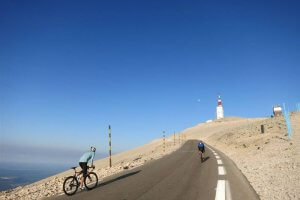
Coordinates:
84 160
201 146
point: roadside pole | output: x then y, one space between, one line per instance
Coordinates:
164 142
287 121
109 136
262 128
174 138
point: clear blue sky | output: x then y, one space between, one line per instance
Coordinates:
68 69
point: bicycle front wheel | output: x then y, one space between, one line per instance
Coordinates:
70 185
91 181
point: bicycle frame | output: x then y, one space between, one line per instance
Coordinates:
89 170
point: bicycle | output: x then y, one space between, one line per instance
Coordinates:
72 183
201 156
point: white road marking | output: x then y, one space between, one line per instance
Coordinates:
220 162
220 192
215 154
217 157
221 170
228 192
210 149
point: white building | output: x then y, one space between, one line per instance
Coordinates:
277 110
220 110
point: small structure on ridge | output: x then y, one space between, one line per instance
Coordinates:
220 110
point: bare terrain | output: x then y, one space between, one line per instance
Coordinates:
270 161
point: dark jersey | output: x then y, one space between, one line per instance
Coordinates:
201 146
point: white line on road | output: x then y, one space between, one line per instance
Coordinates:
215 154
228 192
218 157
220 162
221 170
210 149
220 193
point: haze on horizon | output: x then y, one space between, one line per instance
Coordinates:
68 69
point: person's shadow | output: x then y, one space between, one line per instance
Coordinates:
205 158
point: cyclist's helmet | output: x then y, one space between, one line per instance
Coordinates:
93 149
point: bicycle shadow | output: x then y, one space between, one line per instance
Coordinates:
118 178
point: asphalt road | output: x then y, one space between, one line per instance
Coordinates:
179 176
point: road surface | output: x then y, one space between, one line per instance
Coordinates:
178 176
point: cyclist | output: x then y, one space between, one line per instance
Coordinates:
201 146
83 161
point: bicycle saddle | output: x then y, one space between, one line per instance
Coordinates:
73 168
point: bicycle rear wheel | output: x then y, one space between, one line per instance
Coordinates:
201 156
70 185
91 181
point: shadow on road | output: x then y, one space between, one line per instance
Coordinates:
118 178
205 159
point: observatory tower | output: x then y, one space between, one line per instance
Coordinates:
220 110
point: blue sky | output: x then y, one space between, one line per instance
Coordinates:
68 69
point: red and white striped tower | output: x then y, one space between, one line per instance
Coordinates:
220 110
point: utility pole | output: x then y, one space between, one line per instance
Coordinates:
109 136
164 142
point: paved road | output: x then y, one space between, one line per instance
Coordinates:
178 176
